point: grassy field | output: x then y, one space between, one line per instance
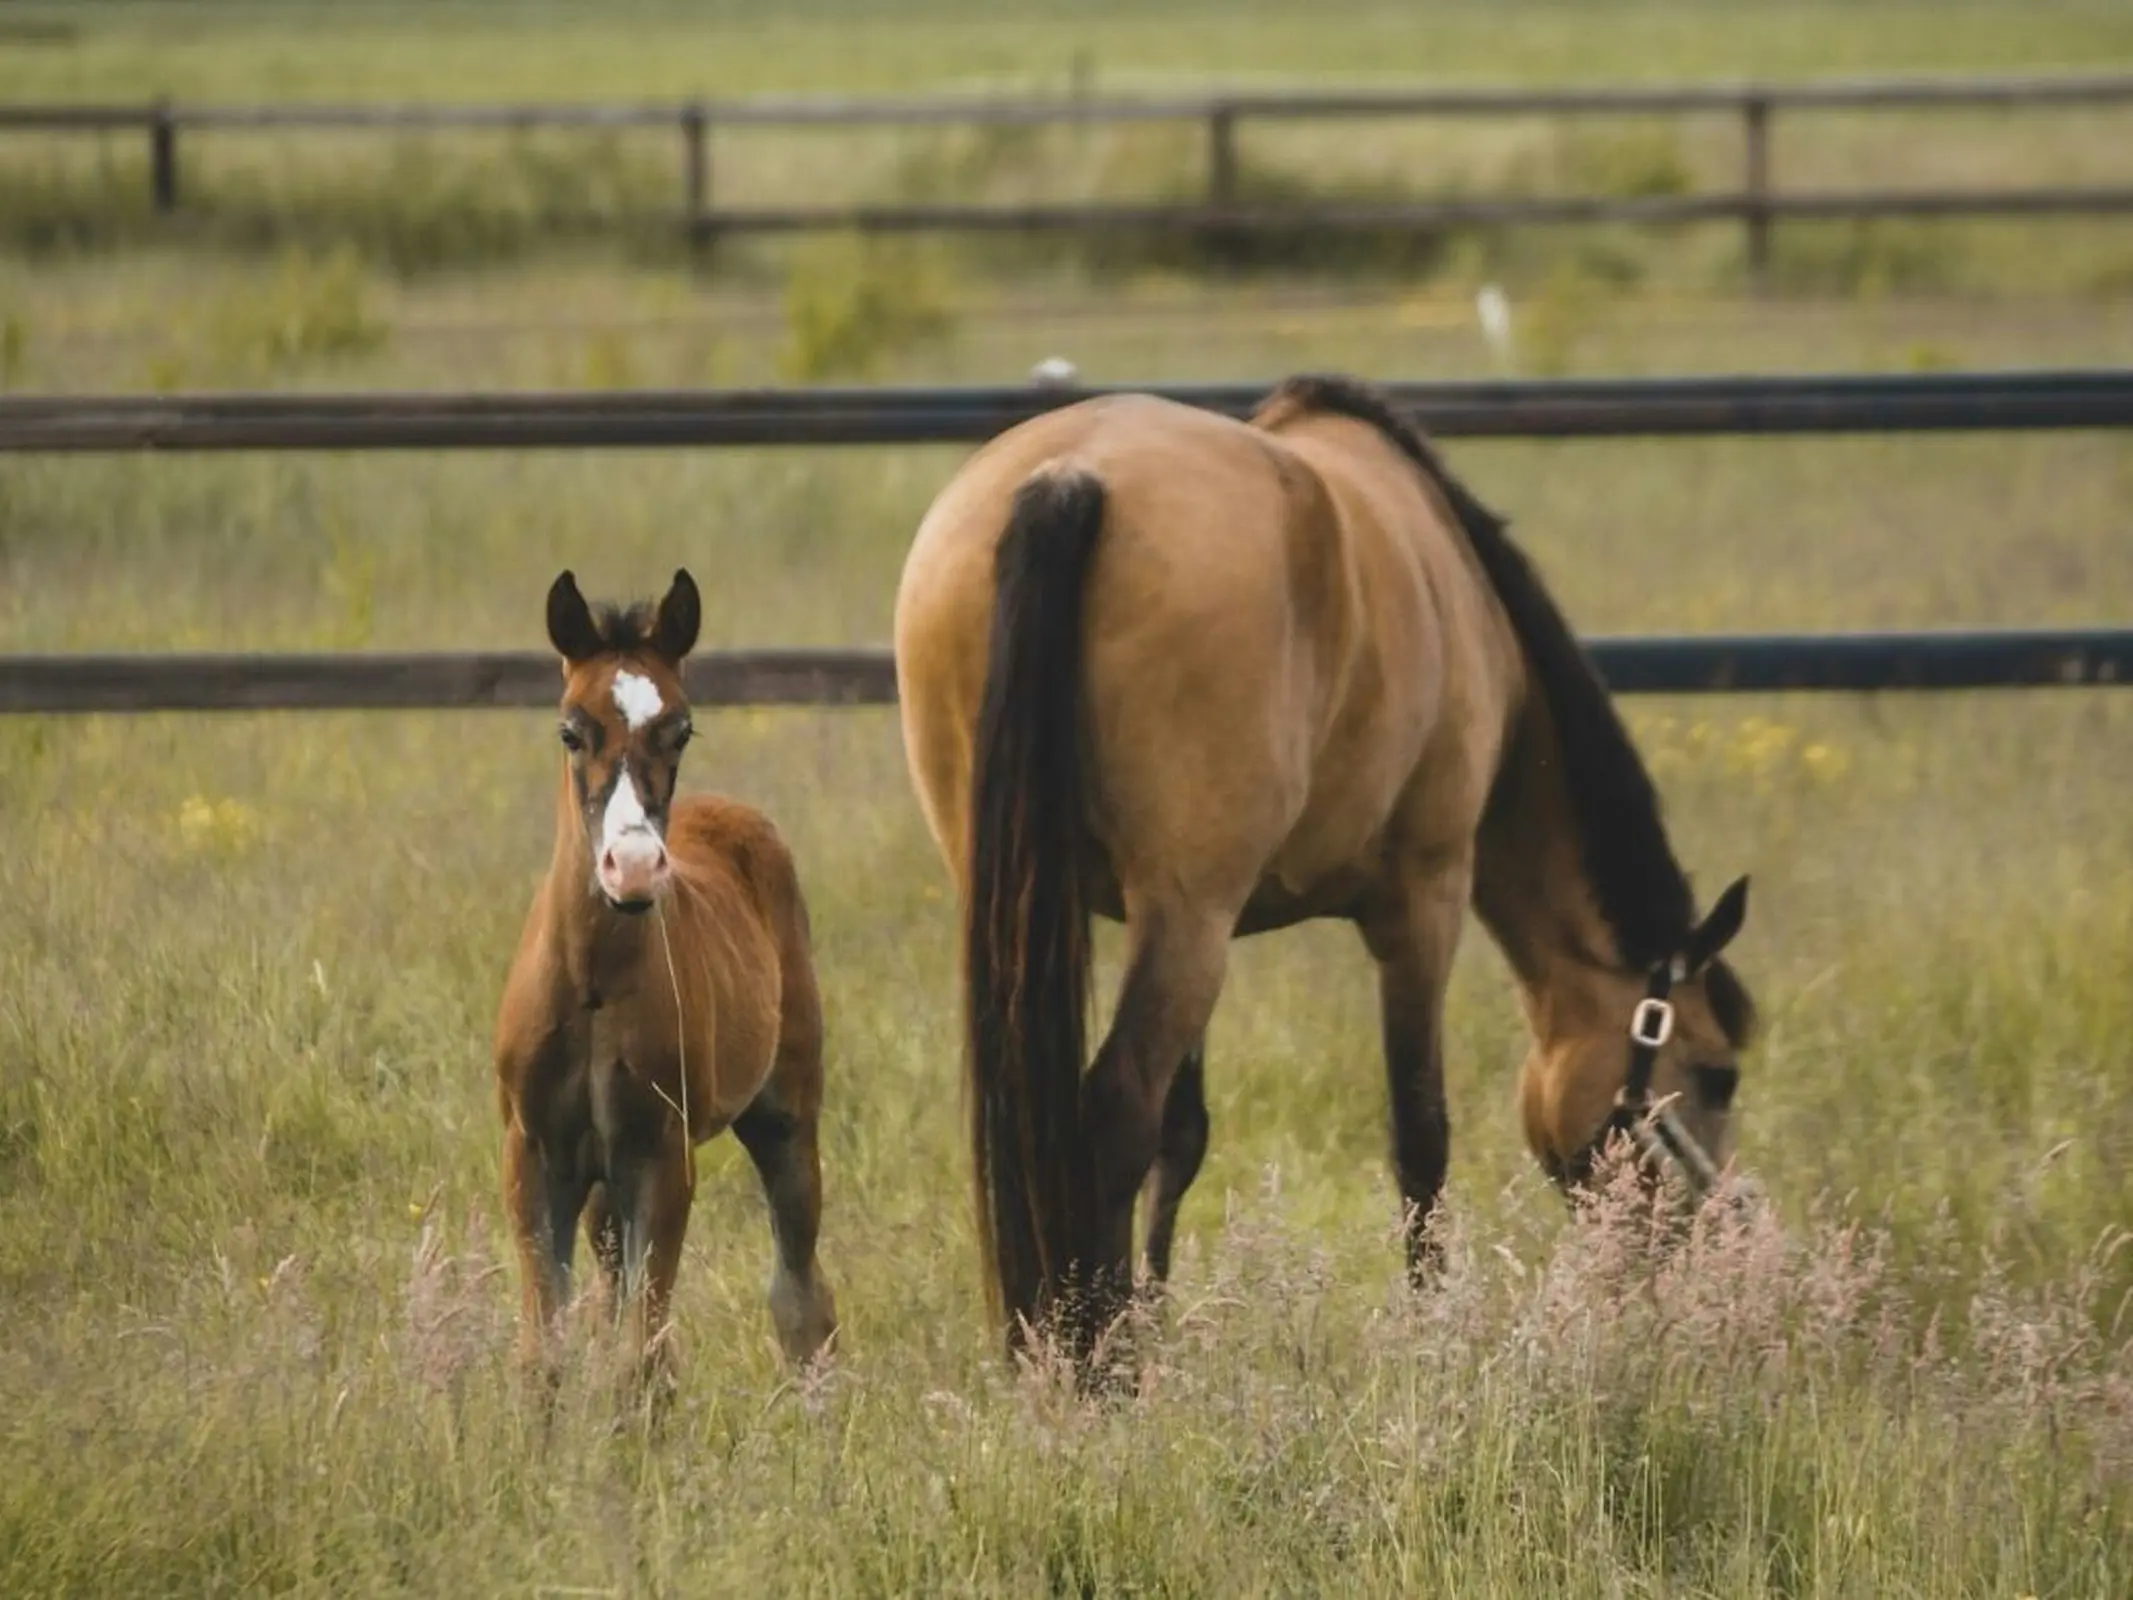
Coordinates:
255 1296
385 48
420 202
255 1322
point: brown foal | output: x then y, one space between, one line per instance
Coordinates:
663 991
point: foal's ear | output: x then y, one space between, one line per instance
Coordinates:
1716 931
570 620
680 614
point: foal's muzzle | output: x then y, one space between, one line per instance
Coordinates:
633 869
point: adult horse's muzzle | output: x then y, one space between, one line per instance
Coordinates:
1663 1141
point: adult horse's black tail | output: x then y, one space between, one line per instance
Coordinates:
1026 929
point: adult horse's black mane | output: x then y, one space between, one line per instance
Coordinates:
1641 890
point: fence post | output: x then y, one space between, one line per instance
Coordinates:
1755 114
1222 155
163 158
695 161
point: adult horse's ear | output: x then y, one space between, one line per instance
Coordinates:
680 614
1716 931
570 620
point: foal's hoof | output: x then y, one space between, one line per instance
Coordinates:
656 1395
538 1366
1111 1373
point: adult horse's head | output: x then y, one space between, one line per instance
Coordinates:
625 722
1652 1057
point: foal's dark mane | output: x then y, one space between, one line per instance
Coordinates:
1642 893
624 628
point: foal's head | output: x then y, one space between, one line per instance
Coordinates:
625 724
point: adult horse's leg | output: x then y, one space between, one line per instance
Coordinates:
1173 978
1414 937
783 1148
1178 1157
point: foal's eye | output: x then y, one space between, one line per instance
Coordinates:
571 740
682 736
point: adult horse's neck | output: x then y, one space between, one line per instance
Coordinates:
1531 887
600 946
1574 875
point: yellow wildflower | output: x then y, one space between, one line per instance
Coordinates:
1825 763
216 825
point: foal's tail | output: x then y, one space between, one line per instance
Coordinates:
1026 933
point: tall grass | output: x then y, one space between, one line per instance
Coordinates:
1766 1414
255 1298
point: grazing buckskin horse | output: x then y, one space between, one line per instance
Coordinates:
664 990
1213 678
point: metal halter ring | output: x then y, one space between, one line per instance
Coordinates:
1652 1023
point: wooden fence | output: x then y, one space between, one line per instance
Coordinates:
1223 207
2009 400
383 681
2027 659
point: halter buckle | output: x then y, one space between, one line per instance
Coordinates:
1652 1023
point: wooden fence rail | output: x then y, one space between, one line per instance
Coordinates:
375 681
2011 400
1757 203
44 684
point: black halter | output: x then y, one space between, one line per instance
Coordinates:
1650 1026
1658 1134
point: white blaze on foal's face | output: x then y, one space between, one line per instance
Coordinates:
637 698
626 780
631 859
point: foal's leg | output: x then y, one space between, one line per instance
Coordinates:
1414 937
649 1196
1173 978
603 1232
543 1205
783 1148
666 1224
1177 1162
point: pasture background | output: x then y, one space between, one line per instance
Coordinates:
252 1335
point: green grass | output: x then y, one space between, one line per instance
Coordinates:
255 1298
255 1303
308 50
419 202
